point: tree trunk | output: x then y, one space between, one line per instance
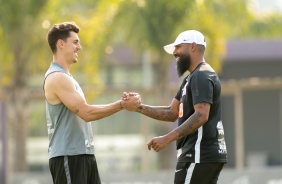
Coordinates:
18 120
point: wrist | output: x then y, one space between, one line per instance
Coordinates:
121 107
171 136
140 108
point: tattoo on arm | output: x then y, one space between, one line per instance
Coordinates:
76 111
162 113
189 126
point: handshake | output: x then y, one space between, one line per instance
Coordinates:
130 101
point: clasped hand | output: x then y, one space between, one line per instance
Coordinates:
130 101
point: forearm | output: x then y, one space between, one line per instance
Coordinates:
188 127
163 113
96 112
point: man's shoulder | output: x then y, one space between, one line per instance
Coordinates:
58 77
205 70
205 67
56 85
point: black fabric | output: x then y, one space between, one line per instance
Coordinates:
202 173
207 144
78 169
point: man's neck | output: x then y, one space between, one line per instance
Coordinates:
62 62
195 63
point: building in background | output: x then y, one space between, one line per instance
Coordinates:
252 102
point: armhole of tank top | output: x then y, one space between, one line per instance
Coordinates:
44 88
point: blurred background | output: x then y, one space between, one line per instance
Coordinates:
122 44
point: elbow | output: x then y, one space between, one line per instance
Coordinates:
87 118
86 115
174 117
204 119
90 118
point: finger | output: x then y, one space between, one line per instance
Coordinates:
149 144
155 147
133 94
125 98
124 94
137 97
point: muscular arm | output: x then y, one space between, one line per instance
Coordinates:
59 88
163 113
196 120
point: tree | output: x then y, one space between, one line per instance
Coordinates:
17 29
265 27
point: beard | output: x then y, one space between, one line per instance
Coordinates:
183 64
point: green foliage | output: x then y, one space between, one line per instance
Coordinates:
146 24
140 24
266 27
93 18
17 27
149 25
23 29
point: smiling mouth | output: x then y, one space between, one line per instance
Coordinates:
177 57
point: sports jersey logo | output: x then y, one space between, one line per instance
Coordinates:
180 113
49 150
179 152
184 88
89 143
221 140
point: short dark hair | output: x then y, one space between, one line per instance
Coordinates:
60 31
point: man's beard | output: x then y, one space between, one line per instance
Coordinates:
183 64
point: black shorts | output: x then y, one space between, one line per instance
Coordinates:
78 169
197 173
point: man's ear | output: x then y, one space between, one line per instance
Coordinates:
60 43
193 46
